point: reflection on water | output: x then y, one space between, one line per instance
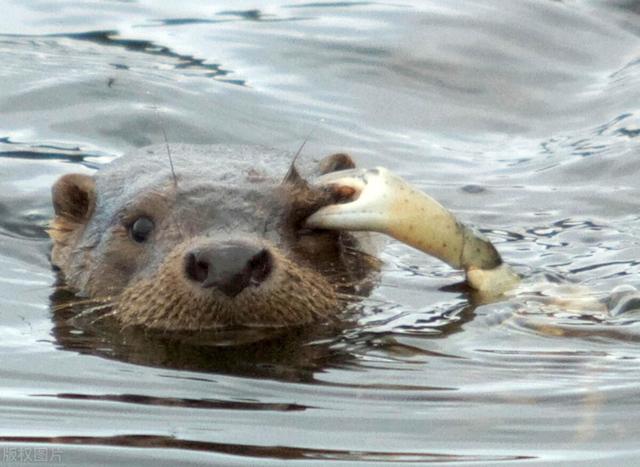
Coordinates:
522 117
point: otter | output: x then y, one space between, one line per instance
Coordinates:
186 237
193 237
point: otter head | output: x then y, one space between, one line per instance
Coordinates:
218 241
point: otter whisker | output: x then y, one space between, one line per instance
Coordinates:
355 252
173 170
293 176
347 297
93 309
101 317
166 143
88 301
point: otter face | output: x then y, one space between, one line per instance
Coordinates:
218 242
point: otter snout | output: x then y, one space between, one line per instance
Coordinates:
229 267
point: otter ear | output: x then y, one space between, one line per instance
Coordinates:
74 198
336 162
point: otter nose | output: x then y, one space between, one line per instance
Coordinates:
229 267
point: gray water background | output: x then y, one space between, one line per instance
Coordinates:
520 116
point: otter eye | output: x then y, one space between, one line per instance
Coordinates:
141 229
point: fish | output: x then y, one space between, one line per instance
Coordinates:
382 201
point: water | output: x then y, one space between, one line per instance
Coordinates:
522 117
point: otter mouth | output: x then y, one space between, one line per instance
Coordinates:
304 198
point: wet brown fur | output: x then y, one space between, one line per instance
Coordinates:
298 291
297 296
